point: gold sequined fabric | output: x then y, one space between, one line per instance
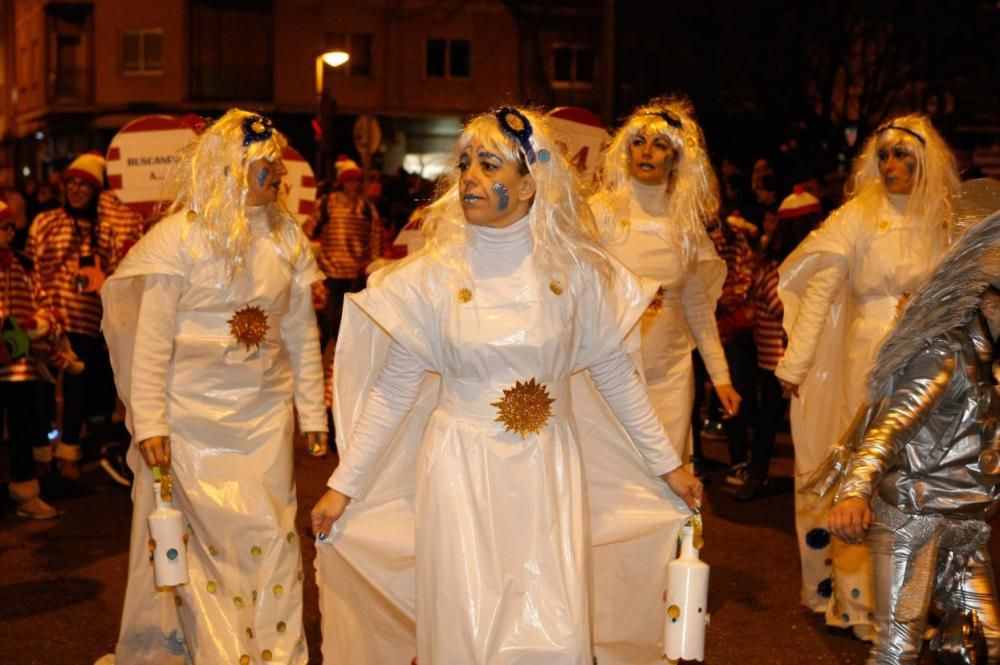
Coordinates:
525 408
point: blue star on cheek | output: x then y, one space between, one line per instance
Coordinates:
503 196
263 175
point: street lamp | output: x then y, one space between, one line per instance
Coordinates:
324 115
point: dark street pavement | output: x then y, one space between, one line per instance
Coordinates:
62 581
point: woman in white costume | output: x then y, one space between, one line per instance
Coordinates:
509 299
842 289
657 193
213 338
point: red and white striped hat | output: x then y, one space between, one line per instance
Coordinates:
88 167
798 203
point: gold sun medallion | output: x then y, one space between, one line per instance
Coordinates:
656 304
464 296
249 326
525 408
514 122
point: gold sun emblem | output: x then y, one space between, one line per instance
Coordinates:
249 326
525 408
656 304
464 296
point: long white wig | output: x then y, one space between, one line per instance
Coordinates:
565 236
692 193
936 182
210 180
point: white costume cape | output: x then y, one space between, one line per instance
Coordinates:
229 415
533 492
884 256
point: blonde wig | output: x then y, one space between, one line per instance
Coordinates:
210 180
565 236
935 181
692 193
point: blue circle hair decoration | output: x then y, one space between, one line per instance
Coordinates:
516 125
256 128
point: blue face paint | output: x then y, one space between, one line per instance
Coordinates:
503 196
263 175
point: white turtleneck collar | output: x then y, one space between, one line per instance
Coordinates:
258 217
898 201
491 240
651 198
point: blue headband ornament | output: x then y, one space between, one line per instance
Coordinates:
516 125
256 128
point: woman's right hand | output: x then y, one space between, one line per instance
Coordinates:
327 511
155 450
849 519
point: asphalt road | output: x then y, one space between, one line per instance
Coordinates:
62 582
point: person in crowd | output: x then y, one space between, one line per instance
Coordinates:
350 234
73 248
841 290
735 315
919 474
796 217
657 195
213 339
27 321
511 297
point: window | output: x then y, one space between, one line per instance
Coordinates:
142 52
572 66
232 54
448 58
359 46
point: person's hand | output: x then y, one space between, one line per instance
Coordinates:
789 389
730 400
849 519
328 510
685 485
320 296
317 443
155 450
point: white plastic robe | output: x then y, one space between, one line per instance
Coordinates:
503 555
870 260
653 248
228 411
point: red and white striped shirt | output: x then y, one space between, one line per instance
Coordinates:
56 241
21 298
350 239
768 334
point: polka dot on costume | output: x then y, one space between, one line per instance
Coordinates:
825 588
212 550
855 593
250 633
278 590
281 626
171 554
211 586
290 538
845 617
818 538
255 551
238 601
265 655
244 660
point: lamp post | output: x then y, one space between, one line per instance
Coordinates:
326 107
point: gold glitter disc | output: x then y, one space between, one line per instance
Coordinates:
525 408
656 304
249 326
514 122
464 295
555 287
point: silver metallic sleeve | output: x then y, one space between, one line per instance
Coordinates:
922 385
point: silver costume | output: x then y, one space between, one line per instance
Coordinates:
914 453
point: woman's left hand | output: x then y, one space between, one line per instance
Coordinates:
730 400
318 443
